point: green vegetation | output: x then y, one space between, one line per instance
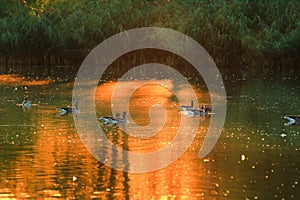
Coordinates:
235 33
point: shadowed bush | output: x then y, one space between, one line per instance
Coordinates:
235 33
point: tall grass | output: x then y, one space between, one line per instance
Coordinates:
236 33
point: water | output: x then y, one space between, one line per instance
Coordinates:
42 156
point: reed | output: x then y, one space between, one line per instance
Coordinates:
236 33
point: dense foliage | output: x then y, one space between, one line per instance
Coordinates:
235 33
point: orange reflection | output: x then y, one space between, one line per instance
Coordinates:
140 104
8 79
188 177
58 166
53 167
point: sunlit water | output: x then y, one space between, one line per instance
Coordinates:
257 157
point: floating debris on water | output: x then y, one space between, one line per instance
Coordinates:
283 135
243 157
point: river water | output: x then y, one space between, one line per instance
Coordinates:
256 157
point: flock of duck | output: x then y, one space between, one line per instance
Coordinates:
191 111
118 119
26 104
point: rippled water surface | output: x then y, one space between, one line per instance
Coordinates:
256 157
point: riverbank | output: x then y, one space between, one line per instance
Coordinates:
235 33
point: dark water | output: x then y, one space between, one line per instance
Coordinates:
256 157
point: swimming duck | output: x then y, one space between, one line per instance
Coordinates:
110 120
200 112
115 120
26 104
123 119
293 119
67 110
185 108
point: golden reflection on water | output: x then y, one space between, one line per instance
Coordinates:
42 157
18 80
182 178
57 165
140 104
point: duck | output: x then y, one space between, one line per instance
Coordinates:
68 110
200 112
26 104
293 120
117 120
185 108
108 120
123 119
